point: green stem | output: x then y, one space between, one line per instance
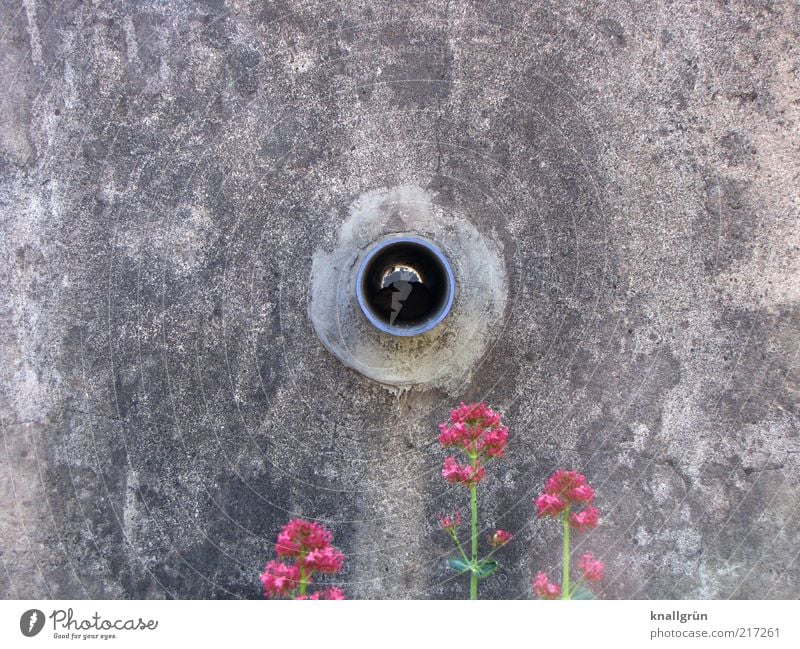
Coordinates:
303 582
565 592
460 549
473 498
303 577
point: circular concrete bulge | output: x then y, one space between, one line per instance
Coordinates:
405 286
411 293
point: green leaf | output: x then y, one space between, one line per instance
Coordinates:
579 592
459 565
485 568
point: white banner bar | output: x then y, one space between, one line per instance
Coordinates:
417 623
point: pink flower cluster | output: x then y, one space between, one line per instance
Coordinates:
544 589
585 520
591 568
325 560
476 430
279 579
450 523
456 473
500 538
328 593
298 537
309 545
568 496
564 491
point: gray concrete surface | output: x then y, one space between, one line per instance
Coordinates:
169 169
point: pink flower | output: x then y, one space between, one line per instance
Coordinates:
328 593
331 593
585 520
544 589
450 523
494 442
566 489
299 536
328 560
570 486
476 428
456 473
591 568
475 414
475 476
452 471
309 544
279 579
582 494
500 538
549 505
455 435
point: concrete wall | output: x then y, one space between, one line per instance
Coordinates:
169 169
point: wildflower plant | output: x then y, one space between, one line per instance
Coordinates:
307 547
476 432
568 498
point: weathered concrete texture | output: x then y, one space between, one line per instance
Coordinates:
168 171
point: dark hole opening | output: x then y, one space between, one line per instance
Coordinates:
405 285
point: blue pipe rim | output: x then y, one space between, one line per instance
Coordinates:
421 328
